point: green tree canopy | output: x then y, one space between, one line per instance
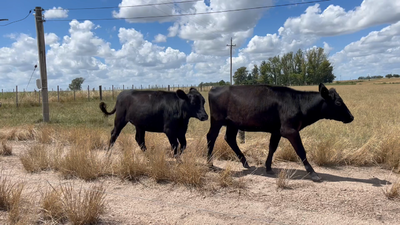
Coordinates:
240 76
76 84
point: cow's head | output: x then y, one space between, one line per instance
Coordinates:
195 102
334 107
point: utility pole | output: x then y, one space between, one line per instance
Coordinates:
42 62
230 46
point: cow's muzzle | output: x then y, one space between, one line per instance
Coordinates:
203 117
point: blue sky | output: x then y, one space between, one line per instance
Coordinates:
361 37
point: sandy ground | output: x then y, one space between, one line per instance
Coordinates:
348 195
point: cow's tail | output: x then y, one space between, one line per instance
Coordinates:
103 108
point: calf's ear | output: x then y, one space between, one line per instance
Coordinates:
324 91
182 95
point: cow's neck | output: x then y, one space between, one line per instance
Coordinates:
311 104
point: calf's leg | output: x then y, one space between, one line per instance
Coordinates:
173 140
140 138
211 137
230 138
294 138
273 145
119 124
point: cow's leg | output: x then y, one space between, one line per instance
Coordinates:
273 145
119 124
230 138
139 137
294 137
211 137
173 140
182 141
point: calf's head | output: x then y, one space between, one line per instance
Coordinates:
334 107
195 102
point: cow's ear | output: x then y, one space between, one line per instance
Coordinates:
182 95
324 91
193 89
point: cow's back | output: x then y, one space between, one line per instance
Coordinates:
148 109
249 107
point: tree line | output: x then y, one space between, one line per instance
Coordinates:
300 68
379 77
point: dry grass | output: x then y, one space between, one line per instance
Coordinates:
190 172
5 149
10 198
36 159
283 179
393 192
80 162
52 207
84 206
131 165
22 133
286 152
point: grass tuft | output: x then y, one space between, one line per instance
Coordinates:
5 150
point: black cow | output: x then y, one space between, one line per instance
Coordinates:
157 111
281 111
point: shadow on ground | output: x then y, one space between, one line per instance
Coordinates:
302 174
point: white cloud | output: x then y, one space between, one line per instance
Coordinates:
160 38
56 12
378 53
334 20
144 13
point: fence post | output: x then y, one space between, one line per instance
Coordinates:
74 95
16 95
88 93
100 92
58 93
39 96
112 90
141 87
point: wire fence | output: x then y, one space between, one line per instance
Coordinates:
34 98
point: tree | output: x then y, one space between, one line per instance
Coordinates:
240 76
76 84
396 75
389 76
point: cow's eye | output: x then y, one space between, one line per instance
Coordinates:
338 103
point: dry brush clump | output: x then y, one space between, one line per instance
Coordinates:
83 206
392 192
79 161
36 158
284 177
22 133
10 198
5 149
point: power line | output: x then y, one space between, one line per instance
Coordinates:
200 13
130 6
17 20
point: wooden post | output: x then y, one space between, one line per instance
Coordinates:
100 92
58 93
169 88
123 87
39 96
74 95
16 95
88 93
42 62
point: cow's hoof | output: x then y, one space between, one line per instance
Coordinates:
245 165
315 177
